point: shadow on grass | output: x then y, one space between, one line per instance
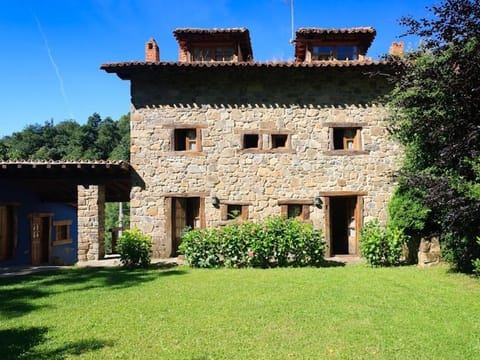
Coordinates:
21 343
332 263
18 293
18 301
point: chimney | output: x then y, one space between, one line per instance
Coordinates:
396 49
152 52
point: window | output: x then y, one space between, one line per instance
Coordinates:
334 52
230 212
213 54
251 141
346 138
279 141
295 209
62 232
187 139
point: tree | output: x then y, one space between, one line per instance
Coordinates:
437 118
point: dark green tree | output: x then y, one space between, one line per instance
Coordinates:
437 97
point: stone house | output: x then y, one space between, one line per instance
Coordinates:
217 137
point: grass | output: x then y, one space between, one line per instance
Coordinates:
351 312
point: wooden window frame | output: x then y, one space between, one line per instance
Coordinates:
177 135
273 142
335 46
259 141
59 224
224 212
304 215
212 47
358 146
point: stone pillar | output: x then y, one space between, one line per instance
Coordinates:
91 222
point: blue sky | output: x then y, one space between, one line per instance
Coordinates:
52 49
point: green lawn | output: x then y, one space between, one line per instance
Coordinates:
351 312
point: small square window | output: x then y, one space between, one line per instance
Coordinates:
279 141
231 212
346 139
296 211
251 141
186 139
62 232
234 212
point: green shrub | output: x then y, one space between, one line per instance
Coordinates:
134 248
201 247
476 262
382 247
274 242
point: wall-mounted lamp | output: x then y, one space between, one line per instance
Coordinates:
215 201
317 201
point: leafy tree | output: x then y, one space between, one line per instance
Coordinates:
437 97
98 139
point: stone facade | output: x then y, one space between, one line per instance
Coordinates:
222 105
91 222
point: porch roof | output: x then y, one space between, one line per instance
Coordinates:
58 180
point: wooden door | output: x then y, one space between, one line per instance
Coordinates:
185 212
342 215
40 239
179 222
5 243
36 238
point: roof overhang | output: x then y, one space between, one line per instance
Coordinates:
136 69
57 181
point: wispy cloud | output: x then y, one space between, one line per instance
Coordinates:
55 68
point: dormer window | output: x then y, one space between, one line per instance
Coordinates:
334 52
316 44
213 53
206 45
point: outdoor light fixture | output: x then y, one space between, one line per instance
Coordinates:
317 201
215 201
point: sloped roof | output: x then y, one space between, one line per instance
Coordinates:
127 70
240 35
364 35
58 180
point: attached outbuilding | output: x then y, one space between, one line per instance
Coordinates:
53 212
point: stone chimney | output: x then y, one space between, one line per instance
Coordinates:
152 52
396 49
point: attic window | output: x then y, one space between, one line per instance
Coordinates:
335 52
212 53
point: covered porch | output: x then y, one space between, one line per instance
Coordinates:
83 186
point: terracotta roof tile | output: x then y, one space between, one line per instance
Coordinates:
179 31
125 70
354 30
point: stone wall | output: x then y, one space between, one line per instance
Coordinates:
91 222
302 103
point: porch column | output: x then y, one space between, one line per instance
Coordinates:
91 222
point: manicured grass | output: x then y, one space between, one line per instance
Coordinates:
351 312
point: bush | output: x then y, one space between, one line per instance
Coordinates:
274 242
134 248
382 247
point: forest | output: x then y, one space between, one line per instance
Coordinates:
98 139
